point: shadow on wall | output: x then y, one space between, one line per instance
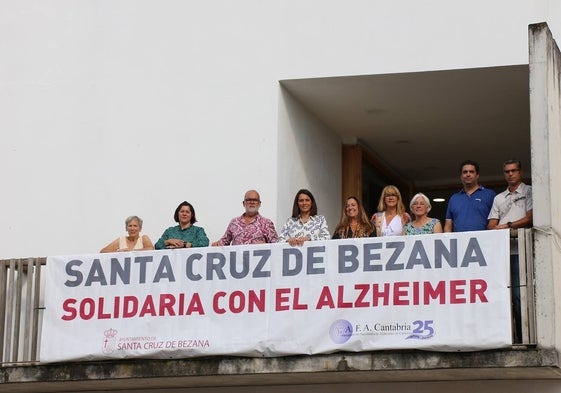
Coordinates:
309 157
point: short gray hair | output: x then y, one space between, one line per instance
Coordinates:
424 197
132 218
513 161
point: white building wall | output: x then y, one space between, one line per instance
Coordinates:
113 108
545 102
362 37
309 157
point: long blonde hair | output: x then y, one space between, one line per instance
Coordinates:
391 190
364 228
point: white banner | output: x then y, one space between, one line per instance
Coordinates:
444 292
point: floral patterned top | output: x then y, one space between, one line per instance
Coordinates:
258 230
315 228
423 230
350 235
192 234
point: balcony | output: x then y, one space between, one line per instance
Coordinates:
22 370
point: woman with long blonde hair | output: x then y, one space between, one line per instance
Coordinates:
391 216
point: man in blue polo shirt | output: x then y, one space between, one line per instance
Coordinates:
469 208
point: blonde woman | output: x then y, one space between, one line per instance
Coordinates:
391 216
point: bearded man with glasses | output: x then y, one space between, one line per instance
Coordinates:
250 227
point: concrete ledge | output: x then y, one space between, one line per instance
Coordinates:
383 366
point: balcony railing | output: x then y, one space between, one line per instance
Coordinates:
20 306
21 303
526 266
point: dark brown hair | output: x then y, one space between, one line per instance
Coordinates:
296 209
185 203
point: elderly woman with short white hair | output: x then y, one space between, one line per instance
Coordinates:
133 241
422 224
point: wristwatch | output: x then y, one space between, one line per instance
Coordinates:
509 224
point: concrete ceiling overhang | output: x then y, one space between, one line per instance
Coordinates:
421 125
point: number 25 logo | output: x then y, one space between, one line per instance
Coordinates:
423 328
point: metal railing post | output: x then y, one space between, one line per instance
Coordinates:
526 266
20 292
3 281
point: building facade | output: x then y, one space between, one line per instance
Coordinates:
130 107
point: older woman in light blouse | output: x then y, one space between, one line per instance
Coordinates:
133 241
305 223
422 224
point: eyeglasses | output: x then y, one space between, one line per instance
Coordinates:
507 171
390 195
252 200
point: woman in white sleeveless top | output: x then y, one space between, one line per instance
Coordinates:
391 216
133 241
